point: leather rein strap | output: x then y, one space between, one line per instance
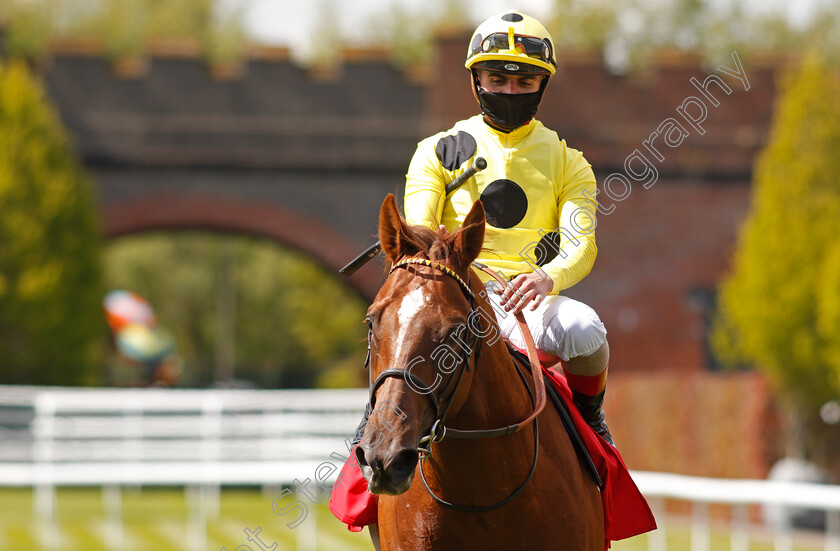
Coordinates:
536 373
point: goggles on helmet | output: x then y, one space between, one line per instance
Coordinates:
528 45
512 37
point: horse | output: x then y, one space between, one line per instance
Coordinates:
438 366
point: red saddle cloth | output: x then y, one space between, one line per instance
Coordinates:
626 512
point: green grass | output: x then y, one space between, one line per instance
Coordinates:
678 538
157 520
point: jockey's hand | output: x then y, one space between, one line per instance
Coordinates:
525 289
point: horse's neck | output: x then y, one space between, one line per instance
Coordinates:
498 396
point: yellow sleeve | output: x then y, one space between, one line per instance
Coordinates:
425 187
576 214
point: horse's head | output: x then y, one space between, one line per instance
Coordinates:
420 344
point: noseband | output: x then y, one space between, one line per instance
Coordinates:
538 397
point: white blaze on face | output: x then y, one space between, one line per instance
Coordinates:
409 307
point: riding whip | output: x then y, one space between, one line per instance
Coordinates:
477 166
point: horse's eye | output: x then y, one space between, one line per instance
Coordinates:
369 322
456 332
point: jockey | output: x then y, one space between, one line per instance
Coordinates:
538 194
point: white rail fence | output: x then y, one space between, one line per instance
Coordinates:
204 439
701 492
198 439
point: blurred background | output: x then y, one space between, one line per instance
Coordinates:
214 163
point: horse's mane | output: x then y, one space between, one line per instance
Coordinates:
435 245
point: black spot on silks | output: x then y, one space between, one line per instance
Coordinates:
505 203
454 150
512 17
547 248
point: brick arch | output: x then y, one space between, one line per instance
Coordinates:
170 211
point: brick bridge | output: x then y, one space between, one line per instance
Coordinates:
305 158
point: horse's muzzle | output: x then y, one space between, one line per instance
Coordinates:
387 473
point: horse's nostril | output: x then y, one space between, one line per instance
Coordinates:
360 456
404 463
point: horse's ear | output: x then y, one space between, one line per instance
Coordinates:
394 234
470 238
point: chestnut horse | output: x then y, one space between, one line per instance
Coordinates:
497 495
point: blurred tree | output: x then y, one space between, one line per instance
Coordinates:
121 26
295 325
28 28
582 25
780 306
177 19
51 325
628 31
409 33
124 26
325 40
224 40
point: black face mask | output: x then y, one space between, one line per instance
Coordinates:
509 111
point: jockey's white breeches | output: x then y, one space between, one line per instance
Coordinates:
560 325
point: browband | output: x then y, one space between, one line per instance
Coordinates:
445 269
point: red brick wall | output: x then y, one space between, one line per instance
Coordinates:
702 424
654 250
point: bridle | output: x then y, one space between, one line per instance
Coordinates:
442 403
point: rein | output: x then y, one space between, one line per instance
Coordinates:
536 372
537 401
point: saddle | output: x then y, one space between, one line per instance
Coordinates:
562 408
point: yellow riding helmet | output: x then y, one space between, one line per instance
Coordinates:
532 51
